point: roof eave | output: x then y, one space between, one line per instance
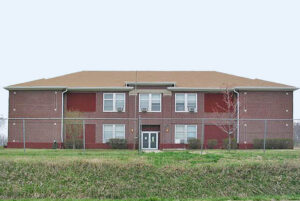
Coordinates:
100 88
267 88
234 88
127 83
195 89
28 88
45 88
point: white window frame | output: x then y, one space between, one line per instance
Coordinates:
185 132
186 109
114 102
150 102
114 131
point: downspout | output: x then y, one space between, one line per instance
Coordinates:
62 117
238 116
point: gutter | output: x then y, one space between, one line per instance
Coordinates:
267 88
195 89
41 88
232 89
100 88
150 83
238 116
127 88
62 116
35 88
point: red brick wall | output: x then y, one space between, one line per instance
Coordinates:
48 104
34 104
265 105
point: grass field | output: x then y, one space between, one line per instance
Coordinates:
125 174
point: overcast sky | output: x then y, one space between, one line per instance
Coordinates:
255 38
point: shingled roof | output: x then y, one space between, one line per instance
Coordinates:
120 79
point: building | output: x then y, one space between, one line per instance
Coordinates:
169 104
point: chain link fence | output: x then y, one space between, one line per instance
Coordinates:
150 133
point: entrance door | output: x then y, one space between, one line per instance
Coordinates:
149 140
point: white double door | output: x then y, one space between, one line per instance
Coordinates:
149 140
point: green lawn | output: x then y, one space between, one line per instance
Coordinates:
126 174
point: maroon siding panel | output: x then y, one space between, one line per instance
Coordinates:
90 133
214 132
151 128
32 145
173 146
214 102
83 102
245 146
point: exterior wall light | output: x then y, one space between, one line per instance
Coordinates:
167 129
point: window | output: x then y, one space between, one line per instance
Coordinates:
113 102
152 102
184 101
185 132
111 131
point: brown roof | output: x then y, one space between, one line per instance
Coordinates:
187 79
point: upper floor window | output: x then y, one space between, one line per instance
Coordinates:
150 102
184 102
114 102
185 132
112 131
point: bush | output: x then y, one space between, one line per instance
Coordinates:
118 143
69 144
211 144
226 144
54 145
194 143
279 143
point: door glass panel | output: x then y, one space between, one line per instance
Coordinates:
153 140
145 140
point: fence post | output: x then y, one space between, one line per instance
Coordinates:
83 132
202 135
24 143
139 131
265 135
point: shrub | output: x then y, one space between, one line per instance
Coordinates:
212 143
118 143
226 144
194 143
54 145
70 144
258 143
278 143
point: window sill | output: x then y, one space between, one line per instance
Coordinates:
114 111
150 112
186 112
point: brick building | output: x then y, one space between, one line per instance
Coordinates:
170 104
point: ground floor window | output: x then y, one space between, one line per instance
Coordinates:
111 131
185 132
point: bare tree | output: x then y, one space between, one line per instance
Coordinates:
74 129
297 133
3 137
227 113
